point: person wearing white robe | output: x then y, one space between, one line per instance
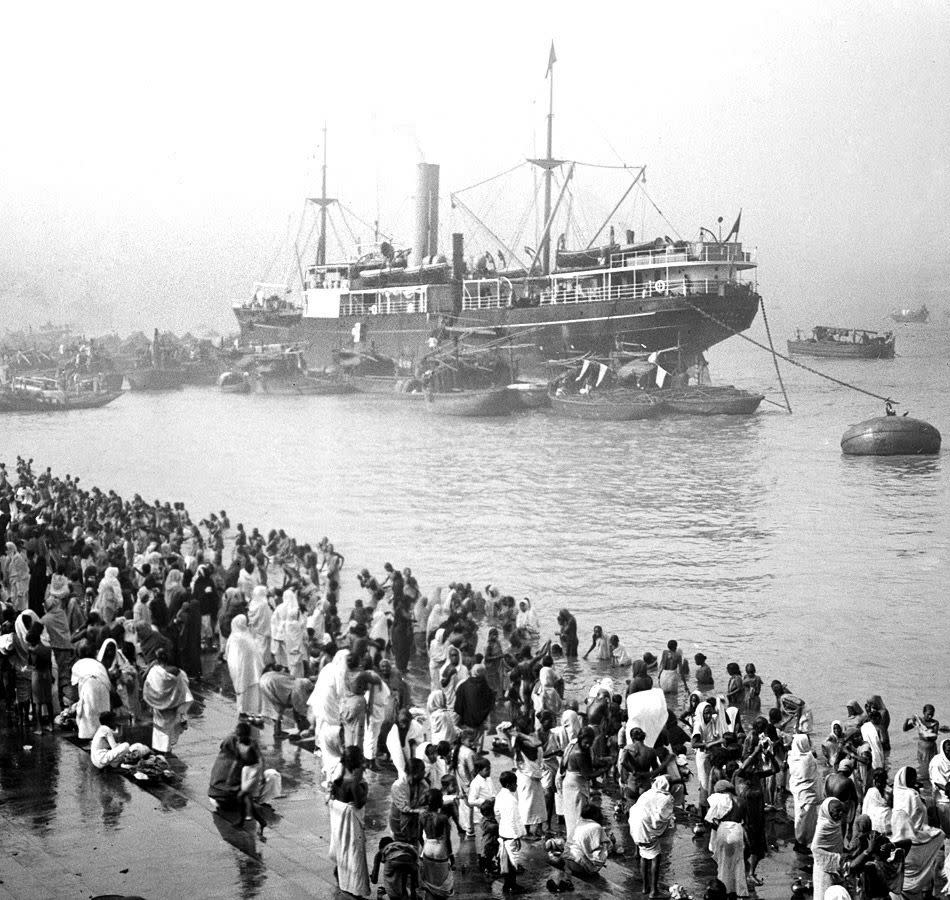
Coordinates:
92 680
259 618
325 704
511 829
527 620
245 666
909 823
803 785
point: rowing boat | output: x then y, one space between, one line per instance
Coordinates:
618 405
487 402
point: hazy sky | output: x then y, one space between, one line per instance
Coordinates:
153 157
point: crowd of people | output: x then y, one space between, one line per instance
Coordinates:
113 609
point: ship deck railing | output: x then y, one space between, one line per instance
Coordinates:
710 253
565 292
385 301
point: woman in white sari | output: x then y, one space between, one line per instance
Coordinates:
909 823
259 618
325 704
443 722
167 692
527 620
940 782
437 656
92 680
707 732
727 840
452 674
827 846
803 784
649 819
245 665
109 599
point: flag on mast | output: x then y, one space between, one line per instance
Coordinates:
552 59
735 228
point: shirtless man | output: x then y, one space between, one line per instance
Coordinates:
839 784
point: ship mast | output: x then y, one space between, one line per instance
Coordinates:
323 201
549 164
549 168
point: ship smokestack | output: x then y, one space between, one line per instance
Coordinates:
458 256
427 213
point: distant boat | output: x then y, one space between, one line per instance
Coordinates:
156 379
891 436
25 394
494 401
708 400
920 315
278 369
234 383
844 343
611 405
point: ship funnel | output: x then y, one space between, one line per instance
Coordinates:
458 256
427 213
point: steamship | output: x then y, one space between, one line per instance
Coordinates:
389 307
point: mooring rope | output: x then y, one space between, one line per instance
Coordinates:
788 359
778 371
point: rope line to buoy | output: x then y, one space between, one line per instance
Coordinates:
787 359
778 372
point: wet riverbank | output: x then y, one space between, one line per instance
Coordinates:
73 831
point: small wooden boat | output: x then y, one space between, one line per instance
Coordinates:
844 343
53 401
919 316
706 400
529 395
612 405
891 436
400 387
494 401
234 383
154 378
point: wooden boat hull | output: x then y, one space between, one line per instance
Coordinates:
16 402
526 395
606 408
842 349
491 402
711 402
156 379
310 387
389 385
891 436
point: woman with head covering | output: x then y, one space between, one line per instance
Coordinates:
803 784
649 819
420 619
527 620
401 636
122 674
109 599
495 672
443 722
584 855
140 609
599 643
827 846
94 687
348 794
18 576
707 735
544 694
437 656
639 679
909 828
205 591
325 705
245 665
174 591
167 692
727 839
260 621
940 784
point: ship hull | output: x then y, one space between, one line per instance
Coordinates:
17 402
156 379
538 334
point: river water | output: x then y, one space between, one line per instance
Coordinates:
752 539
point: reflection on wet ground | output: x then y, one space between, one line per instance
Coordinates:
70 830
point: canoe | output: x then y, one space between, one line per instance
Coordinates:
710 401
156 379
607 406
891 436
487 402
529 395
54 401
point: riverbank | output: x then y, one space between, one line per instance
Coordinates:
72 831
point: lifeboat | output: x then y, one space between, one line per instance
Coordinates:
891 436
